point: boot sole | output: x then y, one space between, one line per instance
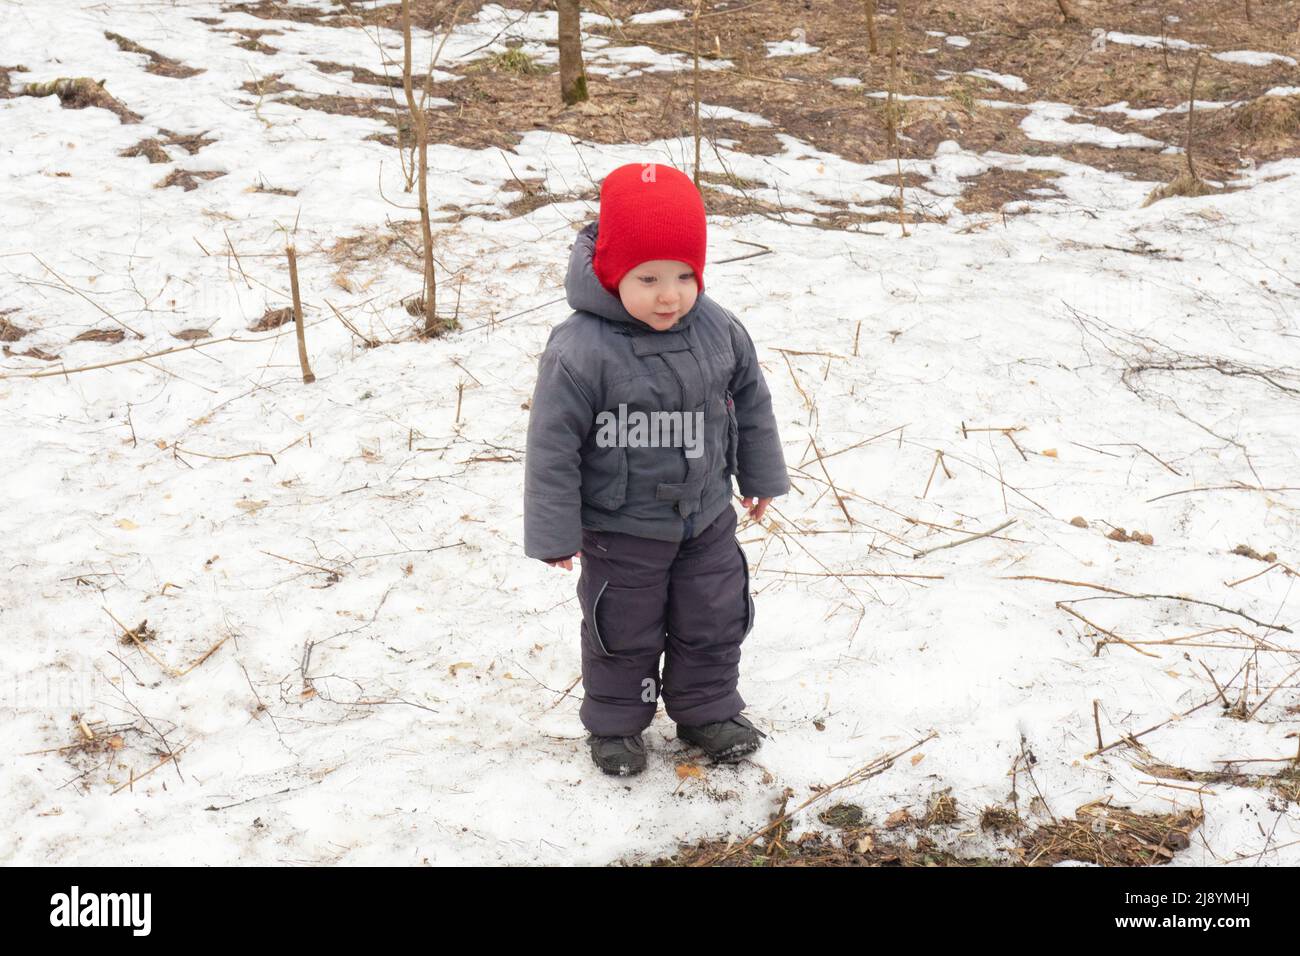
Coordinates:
730 755
630 771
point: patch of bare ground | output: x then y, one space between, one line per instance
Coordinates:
112 336
252 39
993 190
188 179
158 64
1099 833
266 85
9 331
152 147
496 99
360 74
272 319
31 353
192 335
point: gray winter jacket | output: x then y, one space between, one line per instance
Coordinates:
601 358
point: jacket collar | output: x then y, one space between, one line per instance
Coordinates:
586 294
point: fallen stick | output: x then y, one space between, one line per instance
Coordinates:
1097 627
131 634
1132 738
243 454
170 757
307 375
974 537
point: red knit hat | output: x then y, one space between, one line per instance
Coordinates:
648 211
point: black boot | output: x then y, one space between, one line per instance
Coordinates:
622 756
725 741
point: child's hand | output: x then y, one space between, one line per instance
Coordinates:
756 507
566 563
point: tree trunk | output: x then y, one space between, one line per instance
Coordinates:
573 79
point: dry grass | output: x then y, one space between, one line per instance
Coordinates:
1100 834
1112 836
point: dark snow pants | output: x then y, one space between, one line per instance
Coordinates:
641 598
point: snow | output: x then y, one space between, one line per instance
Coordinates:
789 48
1048 122
957 41
846 81
1254 58
1006 80
657 16
726 112
438 727
1133 39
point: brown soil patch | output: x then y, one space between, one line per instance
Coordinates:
257 46
360 74
148 147
9 332
192 335
343 105
266 85
158 64
31 353
252 38
152 148
112 336
272 319
188 179
991 191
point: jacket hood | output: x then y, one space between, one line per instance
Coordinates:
586 294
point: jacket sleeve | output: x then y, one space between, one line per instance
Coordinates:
562 413
761 471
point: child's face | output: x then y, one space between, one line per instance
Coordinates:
659 292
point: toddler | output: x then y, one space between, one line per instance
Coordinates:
649 398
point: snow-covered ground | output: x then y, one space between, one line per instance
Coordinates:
390 681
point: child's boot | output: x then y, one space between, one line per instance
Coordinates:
726 741
622 756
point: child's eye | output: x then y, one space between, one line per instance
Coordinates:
687 275
647 279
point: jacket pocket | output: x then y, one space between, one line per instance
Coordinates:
733 437
628 621
749 598
604 478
